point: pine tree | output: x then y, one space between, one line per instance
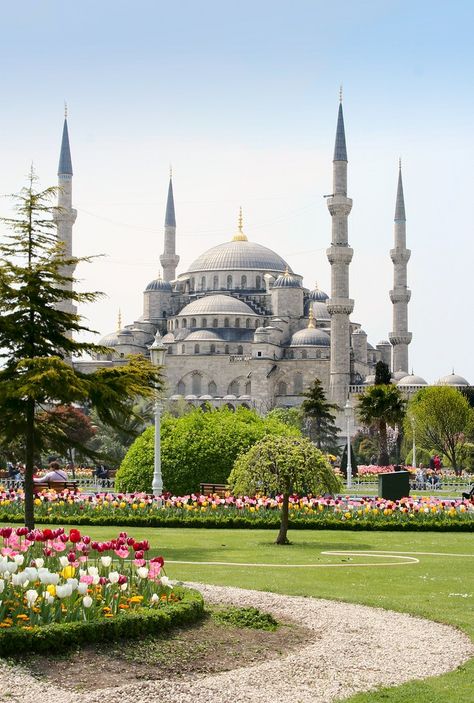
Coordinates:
382 374
319 412
36 335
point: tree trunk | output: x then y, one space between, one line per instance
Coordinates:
282 535
30 462
383 450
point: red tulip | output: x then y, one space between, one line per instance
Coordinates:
74 536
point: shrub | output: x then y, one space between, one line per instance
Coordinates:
196 448
246 617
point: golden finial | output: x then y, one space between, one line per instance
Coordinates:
65 110
119 321
311 321
340 93
287 273
240 236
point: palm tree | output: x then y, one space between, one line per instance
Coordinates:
378 407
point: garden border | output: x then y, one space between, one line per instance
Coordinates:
59 636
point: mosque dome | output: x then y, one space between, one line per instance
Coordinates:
239 254
217 304
110 340
318 295
453 379
398 375
203 336
159 285
320 312
310 337
168 338
287 280
412 380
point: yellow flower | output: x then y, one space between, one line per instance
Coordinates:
134 506
135 599
68 572
123 505
347 515
22 616
37 501
51 589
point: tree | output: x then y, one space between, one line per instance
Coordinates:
378 407
382 374
199 447
283 465
443 418
289 416
319 412
67 429
37 323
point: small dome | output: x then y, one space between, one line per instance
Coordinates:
205 397
168 338
310 336
230 397
320 312
318 295
191 397
384 343
125 333
287 280
360 331
110 340
159 284
177 396
452 380
181 334
217 304
203 336
261 330
398 375
369 380
412 380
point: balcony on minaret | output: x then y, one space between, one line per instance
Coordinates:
400 295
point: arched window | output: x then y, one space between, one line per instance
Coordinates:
247 323
248 388
240 349
215 322
215 282
290 354
170 349
304 354
237 322
196 348
256 324
204 322
193 322
243 282
212 388
298 385
185 322
226 322
181 388
229 282
226 349
196 384
234 388
192 284
282 388
183 349
203 283
213 348
176 323
258 282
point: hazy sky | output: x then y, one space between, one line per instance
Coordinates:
242 99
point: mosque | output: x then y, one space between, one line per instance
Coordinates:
240 327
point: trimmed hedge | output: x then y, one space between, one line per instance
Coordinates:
430 523
57 637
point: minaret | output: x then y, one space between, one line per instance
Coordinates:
169 259
65 215
400 338
339 255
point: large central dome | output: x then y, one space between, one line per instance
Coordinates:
239 255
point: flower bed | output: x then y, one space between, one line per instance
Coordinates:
195 510
60 589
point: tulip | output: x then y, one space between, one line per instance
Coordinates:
19 559
106 561
31 597
142 572
39 563
74 536
82 588
87 601
64 561
114 576
2 585
165 581
64 591
155 598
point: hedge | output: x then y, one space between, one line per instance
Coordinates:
430 523
57 637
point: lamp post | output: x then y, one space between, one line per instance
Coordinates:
413 425
157 355
348 416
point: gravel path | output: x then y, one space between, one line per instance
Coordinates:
350 648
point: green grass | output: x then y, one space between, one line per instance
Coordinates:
421 589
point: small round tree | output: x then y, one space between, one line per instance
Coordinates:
283 465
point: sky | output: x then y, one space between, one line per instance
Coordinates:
241 98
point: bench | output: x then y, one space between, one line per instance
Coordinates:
219 489
55 485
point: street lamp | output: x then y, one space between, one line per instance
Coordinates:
157 355
348 410
413 425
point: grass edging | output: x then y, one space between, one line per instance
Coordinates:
57 637
428 523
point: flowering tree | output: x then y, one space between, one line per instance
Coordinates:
283 465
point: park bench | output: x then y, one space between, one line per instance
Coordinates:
58 486
219 489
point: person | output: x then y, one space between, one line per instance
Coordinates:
436 462
469 495
102 471
432 463
13 471
420 478
55 473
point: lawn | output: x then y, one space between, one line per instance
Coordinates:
439 587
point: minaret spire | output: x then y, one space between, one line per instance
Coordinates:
169 259
339 255
400 295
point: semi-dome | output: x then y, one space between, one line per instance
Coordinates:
318 295
320 312
217 304
203 336
412 380
110 340
159 285
453 379
287 280
239 255
310 336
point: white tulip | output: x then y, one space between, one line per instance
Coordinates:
106 561
19 559
142 571
93 570
95 579
165 582
25 583
54 579
2 585
87 601
64 591
155 598
31 572
12 566
31 596
19 579
3 565
82 572
124 586
114 576
64 561
82 589
39 563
